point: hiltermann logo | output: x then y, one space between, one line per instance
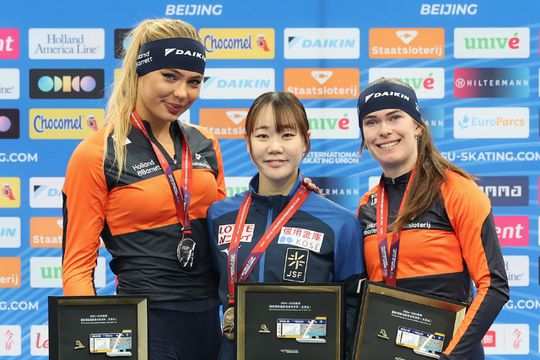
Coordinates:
491 123
326 83
410 43
72 44
322 43
491 43
427 82
237 83
333 123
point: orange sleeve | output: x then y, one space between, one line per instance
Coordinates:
222 192
85 195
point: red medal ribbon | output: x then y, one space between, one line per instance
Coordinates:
181 196
389 259
294 204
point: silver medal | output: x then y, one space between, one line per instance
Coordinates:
185 252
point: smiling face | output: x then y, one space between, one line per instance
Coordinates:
165 94
276 153
389 135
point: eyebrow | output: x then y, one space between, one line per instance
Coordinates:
367 117
198 76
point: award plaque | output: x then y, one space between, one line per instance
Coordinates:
278 321
396 323
98 327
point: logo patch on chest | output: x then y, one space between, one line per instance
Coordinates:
303 238
295 267
225 233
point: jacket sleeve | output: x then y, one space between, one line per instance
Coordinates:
84 197
470 213
220 179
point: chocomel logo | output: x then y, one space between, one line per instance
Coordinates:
491 43
66 83
64 123
333 123
224 123
415 43
237 83
427 82
256 43
10 272
10 192
321 43
9 43
329 83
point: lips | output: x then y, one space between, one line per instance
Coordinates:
173 108
388 145
275 162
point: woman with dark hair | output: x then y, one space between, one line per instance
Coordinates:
430 215
144 183
289 234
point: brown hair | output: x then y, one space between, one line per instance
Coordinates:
430 172
288 113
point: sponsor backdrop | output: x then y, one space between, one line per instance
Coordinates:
474 64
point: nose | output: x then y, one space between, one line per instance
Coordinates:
180 90
385 129
275 145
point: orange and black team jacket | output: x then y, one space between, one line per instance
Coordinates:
136 217
441 250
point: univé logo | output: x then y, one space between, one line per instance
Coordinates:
9 43
427 82
224 123
491 43
66 83
46 272
333 123
249 43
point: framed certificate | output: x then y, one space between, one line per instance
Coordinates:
396 323
276 321
98 327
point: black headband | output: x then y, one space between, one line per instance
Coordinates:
387 95
174 53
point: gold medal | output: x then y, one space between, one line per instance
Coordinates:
228 324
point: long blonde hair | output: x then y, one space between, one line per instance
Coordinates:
124 92
431 169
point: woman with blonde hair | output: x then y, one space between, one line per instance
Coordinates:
143 183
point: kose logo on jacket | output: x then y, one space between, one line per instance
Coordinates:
327 83
491 43
66 83
427 82
10 340
46 272
10 232
46 232
9 124
255 43
10 272
9 43
10 192
322 43
507 339
39 340
491 123
491 82
517 269
57 43
506 190
512 230
224 123
237 83
64 123
410 43
46 192
10 87
333 123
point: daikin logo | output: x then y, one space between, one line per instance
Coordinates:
46 192
322 43
406 35
238 83
10 232
322 76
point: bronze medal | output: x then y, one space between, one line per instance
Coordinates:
228 324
